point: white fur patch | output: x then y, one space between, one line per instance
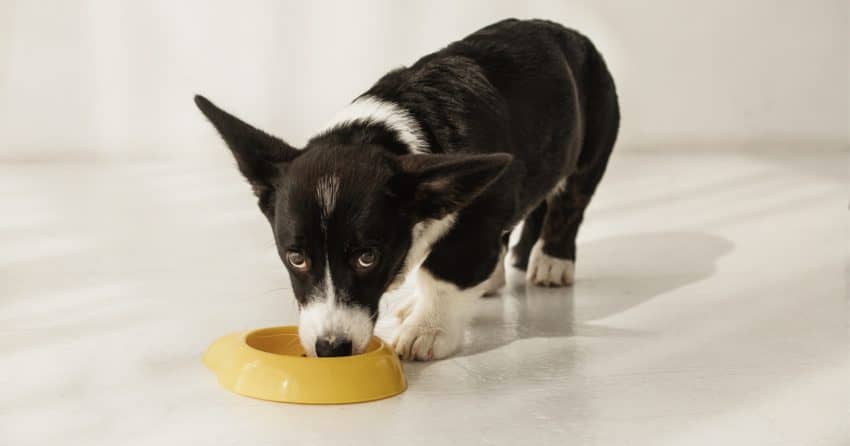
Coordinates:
328 284
396 118
320 319
327 189
424 235
433 323
546 270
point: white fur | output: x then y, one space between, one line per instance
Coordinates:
328 284
325 317
559 188
372 109
546 270
423 236
322 319
327 189
432 324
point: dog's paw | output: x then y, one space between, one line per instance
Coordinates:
546 270
425 335
404 309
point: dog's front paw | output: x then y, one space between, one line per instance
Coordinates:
425 335
546 270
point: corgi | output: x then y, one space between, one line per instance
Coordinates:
428 172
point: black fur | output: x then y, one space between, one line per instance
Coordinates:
507 113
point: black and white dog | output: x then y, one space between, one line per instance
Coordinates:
432 168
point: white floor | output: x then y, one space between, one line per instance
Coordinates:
710 309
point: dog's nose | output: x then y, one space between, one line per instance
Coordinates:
336 347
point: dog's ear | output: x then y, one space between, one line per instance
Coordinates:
436 185
257 153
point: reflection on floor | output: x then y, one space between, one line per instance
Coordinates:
709 309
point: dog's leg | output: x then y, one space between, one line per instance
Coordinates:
530 233
497 278
451 279
552 260
433 324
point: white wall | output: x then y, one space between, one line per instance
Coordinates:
116 78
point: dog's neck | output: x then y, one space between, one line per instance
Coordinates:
370 120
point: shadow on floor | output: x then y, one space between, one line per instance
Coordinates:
614 275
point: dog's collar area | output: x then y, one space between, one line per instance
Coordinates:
372 120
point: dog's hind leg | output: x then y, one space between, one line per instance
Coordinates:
530 233
552 259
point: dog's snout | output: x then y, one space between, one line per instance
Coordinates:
335 347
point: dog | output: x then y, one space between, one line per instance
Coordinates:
430 170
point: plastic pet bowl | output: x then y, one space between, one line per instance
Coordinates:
269 364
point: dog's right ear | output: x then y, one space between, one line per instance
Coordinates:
436 185
257 153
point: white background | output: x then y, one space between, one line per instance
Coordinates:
116 78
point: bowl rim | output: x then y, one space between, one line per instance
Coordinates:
382 348
227 356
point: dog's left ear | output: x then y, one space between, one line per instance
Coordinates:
437 185
257 153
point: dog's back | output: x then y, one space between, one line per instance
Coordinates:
524 87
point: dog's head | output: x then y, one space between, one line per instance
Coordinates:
349 220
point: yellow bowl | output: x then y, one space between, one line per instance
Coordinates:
269 364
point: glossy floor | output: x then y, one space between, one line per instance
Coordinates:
710 308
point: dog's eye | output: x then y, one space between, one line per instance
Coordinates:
366 259
297 260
